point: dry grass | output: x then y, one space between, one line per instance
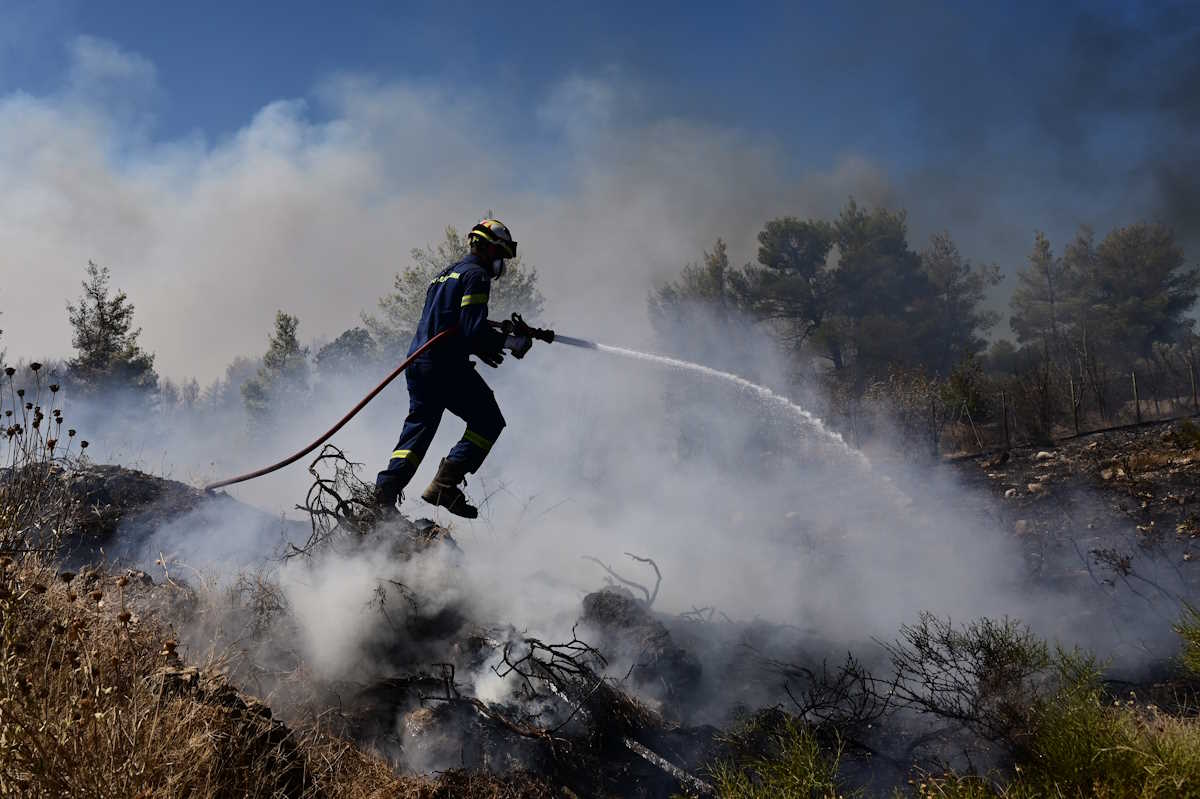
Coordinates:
87 708
35 445
95 702
1149 461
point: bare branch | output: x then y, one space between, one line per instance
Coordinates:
650 595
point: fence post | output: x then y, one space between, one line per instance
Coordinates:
1192 373
933 428
1137 403
1074 404
1155 390
1004 416
855 413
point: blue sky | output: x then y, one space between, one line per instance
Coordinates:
128 125
907 88
816 79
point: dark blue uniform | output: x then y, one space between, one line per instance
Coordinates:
444 378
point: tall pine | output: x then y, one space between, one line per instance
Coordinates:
107 354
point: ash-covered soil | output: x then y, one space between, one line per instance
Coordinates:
1129 494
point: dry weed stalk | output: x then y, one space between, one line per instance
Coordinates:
96 702
35 504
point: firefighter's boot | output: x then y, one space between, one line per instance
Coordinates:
384 509
444 490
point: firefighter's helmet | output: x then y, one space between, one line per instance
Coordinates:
494 232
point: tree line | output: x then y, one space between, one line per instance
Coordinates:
850 300
109 360
869 316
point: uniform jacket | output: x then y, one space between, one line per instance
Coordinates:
458 295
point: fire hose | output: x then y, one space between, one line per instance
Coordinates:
514 326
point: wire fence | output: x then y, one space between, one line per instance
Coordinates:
1086 406
1037 407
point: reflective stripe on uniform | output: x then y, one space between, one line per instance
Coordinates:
444 278
401 453
473 299
477 440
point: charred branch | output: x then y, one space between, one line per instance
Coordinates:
340 501
649 595
839 700
984 677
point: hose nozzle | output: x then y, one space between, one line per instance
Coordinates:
516 326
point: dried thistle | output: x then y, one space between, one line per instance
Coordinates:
35 366
66 577
8 370
54 388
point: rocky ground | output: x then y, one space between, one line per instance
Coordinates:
1129 496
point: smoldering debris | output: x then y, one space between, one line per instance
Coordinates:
371 626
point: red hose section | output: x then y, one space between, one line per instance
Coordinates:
353 412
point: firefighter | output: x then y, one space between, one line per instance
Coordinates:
444 378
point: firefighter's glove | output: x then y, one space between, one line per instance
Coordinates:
518 345
492 359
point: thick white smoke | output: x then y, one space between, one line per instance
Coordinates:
313 206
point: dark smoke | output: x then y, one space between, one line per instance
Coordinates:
1140 70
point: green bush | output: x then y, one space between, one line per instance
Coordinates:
1086 745
794 767
1188 628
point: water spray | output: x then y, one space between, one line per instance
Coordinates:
517 326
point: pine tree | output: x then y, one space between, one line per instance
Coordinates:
107 355
791 289
699 315
1040 301
284 373
954 319
350 351
1142 288
878 293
